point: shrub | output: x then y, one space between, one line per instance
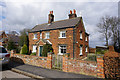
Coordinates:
91 57
47 48
24 49
34 54
100 51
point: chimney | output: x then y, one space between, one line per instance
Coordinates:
50 17
72 15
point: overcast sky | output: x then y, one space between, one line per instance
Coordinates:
20 14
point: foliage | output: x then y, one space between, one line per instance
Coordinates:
24 37
47 48
11 45
24 49
33 54
91 57
100 51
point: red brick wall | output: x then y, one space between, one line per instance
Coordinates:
55 40
45 62
78 29
79 66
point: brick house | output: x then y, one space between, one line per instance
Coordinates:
65 36
4 38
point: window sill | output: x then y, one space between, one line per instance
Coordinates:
62 37
46 38
81 54
60 53
34 38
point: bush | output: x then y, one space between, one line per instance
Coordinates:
33 54
24 49
100 51
47 48
91 57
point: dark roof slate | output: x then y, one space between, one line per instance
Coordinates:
57 24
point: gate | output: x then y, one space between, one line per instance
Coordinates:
57 61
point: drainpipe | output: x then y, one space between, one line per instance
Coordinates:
73 41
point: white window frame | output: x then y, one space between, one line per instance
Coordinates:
86 49
47 35
81 50
40 35
34 48
86 38
60 47
81 35
35 36
61 34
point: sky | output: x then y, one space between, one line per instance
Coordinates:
20 14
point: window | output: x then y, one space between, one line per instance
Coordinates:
47 35
62 34
81 50
80 35
40 35
86 49
34 48
62 49
86 38
35 36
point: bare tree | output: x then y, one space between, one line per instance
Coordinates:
104 27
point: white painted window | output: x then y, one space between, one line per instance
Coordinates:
35 36
40 35
86 38
62 34
80 35
34 48
86 49
47 36
62 49
81 50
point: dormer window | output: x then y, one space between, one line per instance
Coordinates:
62 34
80 35
35 36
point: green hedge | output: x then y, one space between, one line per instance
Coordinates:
33 54
47 48
24 49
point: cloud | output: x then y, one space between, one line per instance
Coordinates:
23 14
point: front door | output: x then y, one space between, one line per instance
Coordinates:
40 50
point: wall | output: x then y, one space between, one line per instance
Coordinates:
79 66
55 40
80 27
45 62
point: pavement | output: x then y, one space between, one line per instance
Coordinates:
43 73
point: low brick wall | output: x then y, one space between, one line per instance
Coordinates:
79 66
45 62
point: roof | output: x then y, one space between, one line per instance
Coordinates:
57 24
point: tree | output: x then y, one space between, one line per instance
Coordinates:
24 49
110 28
10 45
115 31
47 48
24 37
104 28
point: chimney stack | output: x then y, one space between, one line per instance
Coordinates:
72 15
50 17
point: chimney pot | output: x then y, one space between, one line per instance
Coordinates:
74 11
70 11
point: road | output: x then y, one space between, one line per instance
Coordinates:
7 73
